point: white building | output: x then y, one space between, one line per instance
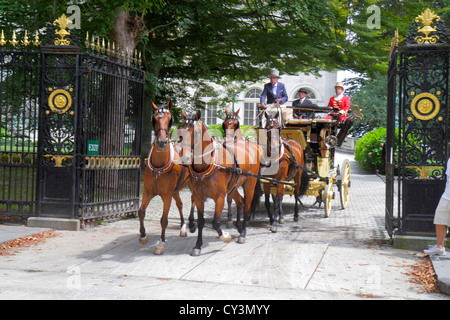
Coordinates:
320 89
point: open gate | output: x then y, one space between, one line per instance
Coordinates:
71 126
418 126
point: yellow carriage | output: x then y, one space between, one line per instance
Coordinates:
319 137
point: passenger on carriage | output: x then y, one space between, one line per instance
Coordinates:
340 102
302 101
276 95
274 91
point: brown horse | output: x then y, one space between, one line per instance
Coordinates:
163 176
286 165
215 171
232 130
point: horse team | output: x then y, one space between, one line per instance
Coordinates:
217 169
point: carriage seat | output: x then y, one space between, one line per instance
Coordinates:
299 122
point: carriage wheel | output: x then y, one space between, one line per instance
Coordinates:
344 191
323 149
328 196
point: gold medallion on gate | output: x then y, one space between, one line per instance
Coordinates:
425 106
60 101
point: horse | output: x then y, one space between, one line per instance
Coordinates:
289 163
232 131
163 176
217 170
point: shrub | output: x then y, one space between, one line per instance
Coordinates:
369 150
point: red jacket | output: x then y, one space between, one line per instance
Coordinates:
341 105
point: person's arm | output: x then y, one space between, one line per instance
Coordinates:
262 99
283 92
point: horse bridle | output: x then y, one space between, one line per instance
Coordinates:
229 118
160 113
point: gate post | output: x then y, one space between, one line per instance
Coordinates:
423 126
59 88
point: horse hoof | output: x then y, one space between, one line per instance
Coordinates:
273 229
158 251
230 225
225 237
295 219
193 229
241 240
281 221
143 240
195 252
183 232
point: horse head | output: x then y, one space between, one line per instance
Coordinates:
162 123
230 124
187 135
273 127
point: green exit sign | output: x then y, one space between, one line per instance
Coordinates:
92 147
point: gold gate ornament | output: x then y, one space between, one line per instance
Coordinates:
425 106
59 101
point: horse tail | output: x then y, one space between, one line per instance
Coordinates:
256 199
304 182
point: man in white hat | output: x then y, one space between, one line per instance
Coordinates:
274 91
339 102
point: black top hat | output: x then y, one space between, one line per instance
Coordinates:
303 90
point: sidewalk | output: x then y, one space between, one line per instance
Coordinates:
345 256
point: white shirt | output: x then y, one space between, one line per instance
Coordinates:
274 89
338 97
446 193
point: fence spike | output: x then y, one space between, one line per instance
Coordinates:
36 41
25 40
14 41
2 39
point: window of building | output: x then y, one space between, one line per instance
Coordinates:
251 102
206 95
211 114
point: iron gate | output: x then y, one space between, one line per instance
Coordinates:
71 127
416 150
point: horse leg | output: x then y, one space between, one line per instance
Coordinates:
224 236
273 224
146 197
192 225
249 191
267 200
179 204
297 199
201 223
280 193
230 214
238 200
164 222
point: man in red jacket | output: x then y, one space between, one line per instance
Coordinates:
339 102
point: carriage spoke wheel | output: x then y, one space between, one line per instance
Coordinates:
328 198
344 191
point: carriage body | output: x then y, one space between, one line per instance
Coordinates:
318 137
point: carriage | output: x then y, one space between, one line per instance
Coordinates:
318 137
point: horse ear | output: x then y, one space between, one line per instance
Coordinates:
169 104
199 114
226 111
237 112
155 107
183 114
